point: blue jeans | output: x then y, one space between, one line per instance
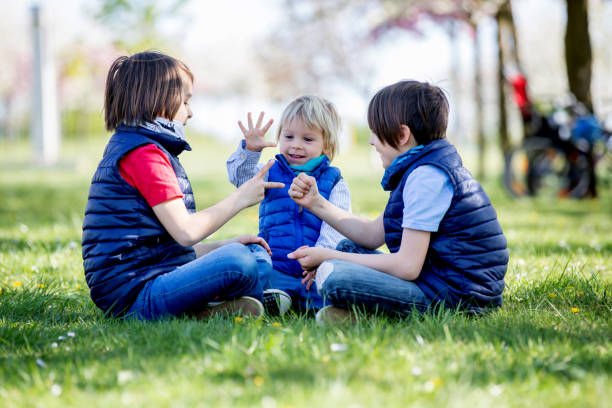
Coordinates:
271 278
352 284
228 272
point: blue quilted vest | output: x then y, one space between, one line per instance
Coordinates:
285 225
124 244
467 257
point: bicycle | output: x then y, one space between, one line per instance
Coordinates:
559 155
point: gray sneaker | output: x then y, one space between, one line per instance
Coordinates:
276 302
244 306
333 314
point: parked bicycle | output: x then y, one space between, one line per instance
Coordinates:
559 155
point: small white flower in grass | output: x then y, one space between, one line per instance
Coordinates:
70 334
268 402
56 390
419 340
34 268
496 390
54 345
72 244
563 244
124 376
40 363
61 338
338 347
67 348
23 228
416 371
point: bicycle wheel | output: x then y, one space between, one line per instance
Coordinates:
539 168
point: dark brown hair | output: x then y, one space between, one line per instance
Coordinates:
142 87
420 106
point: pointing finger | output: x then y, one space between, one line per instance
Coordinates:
261 173
273 184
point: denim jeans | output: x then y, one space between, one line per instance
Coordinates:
228 272
271 278
352 284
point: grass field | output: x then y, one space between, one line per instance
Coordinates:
549 345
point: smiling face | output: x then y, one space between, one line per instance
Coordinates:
300 143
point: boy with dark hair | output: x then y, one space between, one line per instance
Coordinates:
445 242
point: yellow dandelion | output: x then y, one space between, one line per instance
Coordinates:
580 293
575 310
276 324
238 319
258 381
40 285
17 284
552 295
436 382
77 287
325 359
570 287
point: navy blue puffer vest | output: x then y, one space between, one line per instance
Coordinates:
467 257
124 244
285 225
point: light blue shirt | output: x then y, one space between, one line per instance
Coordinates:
427 196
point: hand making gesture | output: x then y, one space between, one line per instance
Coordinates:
253 191
255 137
304 190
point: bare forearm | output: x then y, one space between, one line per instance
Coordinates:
361 230
190 228
392 264
202 248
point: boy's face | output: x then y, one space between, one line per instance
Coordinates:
300 143
386 152
184 113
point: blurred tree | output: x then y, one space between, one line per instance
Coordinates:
578 57
136 24
341 33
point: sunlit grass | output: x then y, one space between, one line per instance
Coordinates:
549 345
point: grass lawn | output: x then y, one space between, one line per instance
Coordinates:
549 345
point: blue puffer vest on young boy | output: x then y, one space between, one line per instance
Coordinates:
285 225
124 244
467 257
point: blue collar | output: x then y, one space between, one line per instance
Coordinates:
308 167
398 162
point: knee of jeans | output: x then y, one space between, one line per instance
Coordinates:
334 280
260 253
241 260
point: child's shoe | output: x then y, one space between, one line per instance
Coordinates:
333 314
276 302
244 306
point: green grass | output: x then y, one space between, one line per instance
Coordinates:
549 345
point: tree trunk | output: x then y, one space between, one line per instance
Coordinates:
504 140
480 140
578 58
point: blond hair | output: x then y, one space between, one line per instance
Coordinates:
317 113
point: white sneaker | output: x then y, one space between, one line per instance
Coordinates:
244 306
276 302
333 314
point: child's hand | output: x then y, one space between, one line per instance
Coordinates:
309 278
255 137
252 239
304 190
310 257
254 190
